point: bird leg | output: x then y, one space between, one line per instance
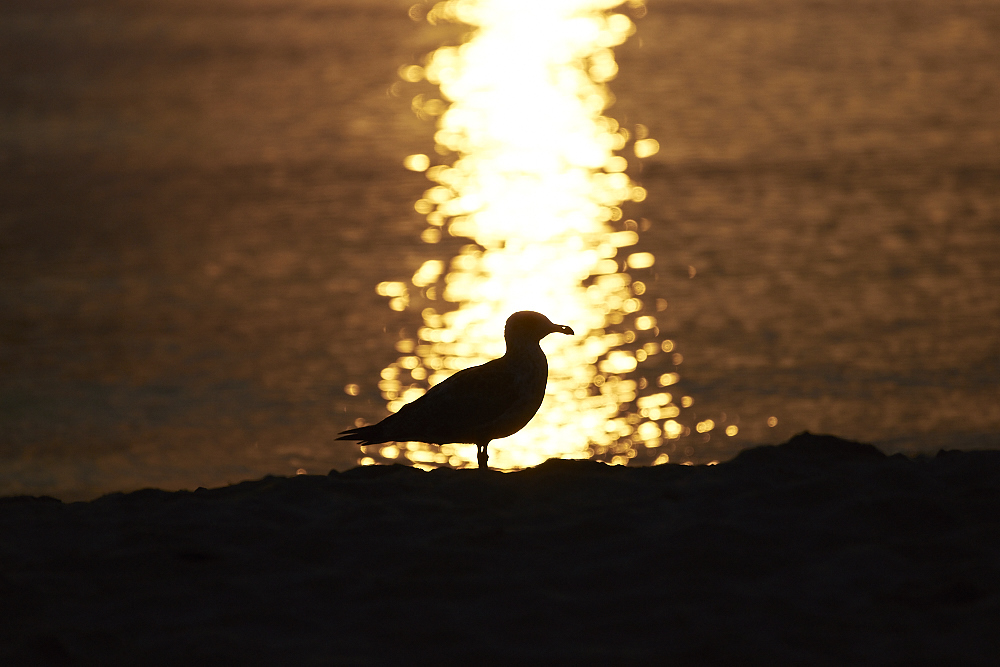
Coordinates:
482 454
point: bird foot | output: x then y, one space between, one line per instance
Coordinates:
483 458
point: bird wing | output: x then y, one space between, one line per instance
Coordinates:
457 409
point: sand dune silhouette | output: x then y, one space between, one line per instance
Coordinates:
816 552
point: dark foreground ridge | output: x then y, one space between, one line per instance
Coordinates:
818 551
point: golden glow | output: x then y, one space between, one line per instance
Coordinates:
772 421
646 148
641 260
418 162
536 184
668 379
732 430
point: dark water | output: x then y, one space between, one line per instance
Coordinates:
197 199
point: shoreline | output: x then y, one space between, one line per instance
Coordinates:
74 480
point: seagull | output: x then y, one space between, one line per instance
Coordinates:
478 404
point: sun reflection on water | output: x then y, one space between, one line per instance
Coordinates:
537 184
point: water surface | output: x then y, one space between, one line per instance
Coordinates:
199 199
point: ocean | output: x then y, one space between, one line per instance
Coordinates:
198 200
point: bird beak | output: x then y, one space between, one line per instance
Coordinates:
560 328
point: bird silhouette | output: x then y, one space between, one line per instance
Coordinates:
478 404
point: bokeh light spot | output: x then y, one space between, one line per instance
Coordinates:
418 162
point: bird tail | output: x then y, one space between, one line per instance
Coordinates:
368 435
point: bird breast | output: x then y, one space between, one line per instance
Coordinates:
529 372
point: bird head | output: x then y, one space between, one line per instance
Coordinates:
529 325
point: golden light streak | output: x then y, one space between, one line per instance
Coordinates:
538 187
